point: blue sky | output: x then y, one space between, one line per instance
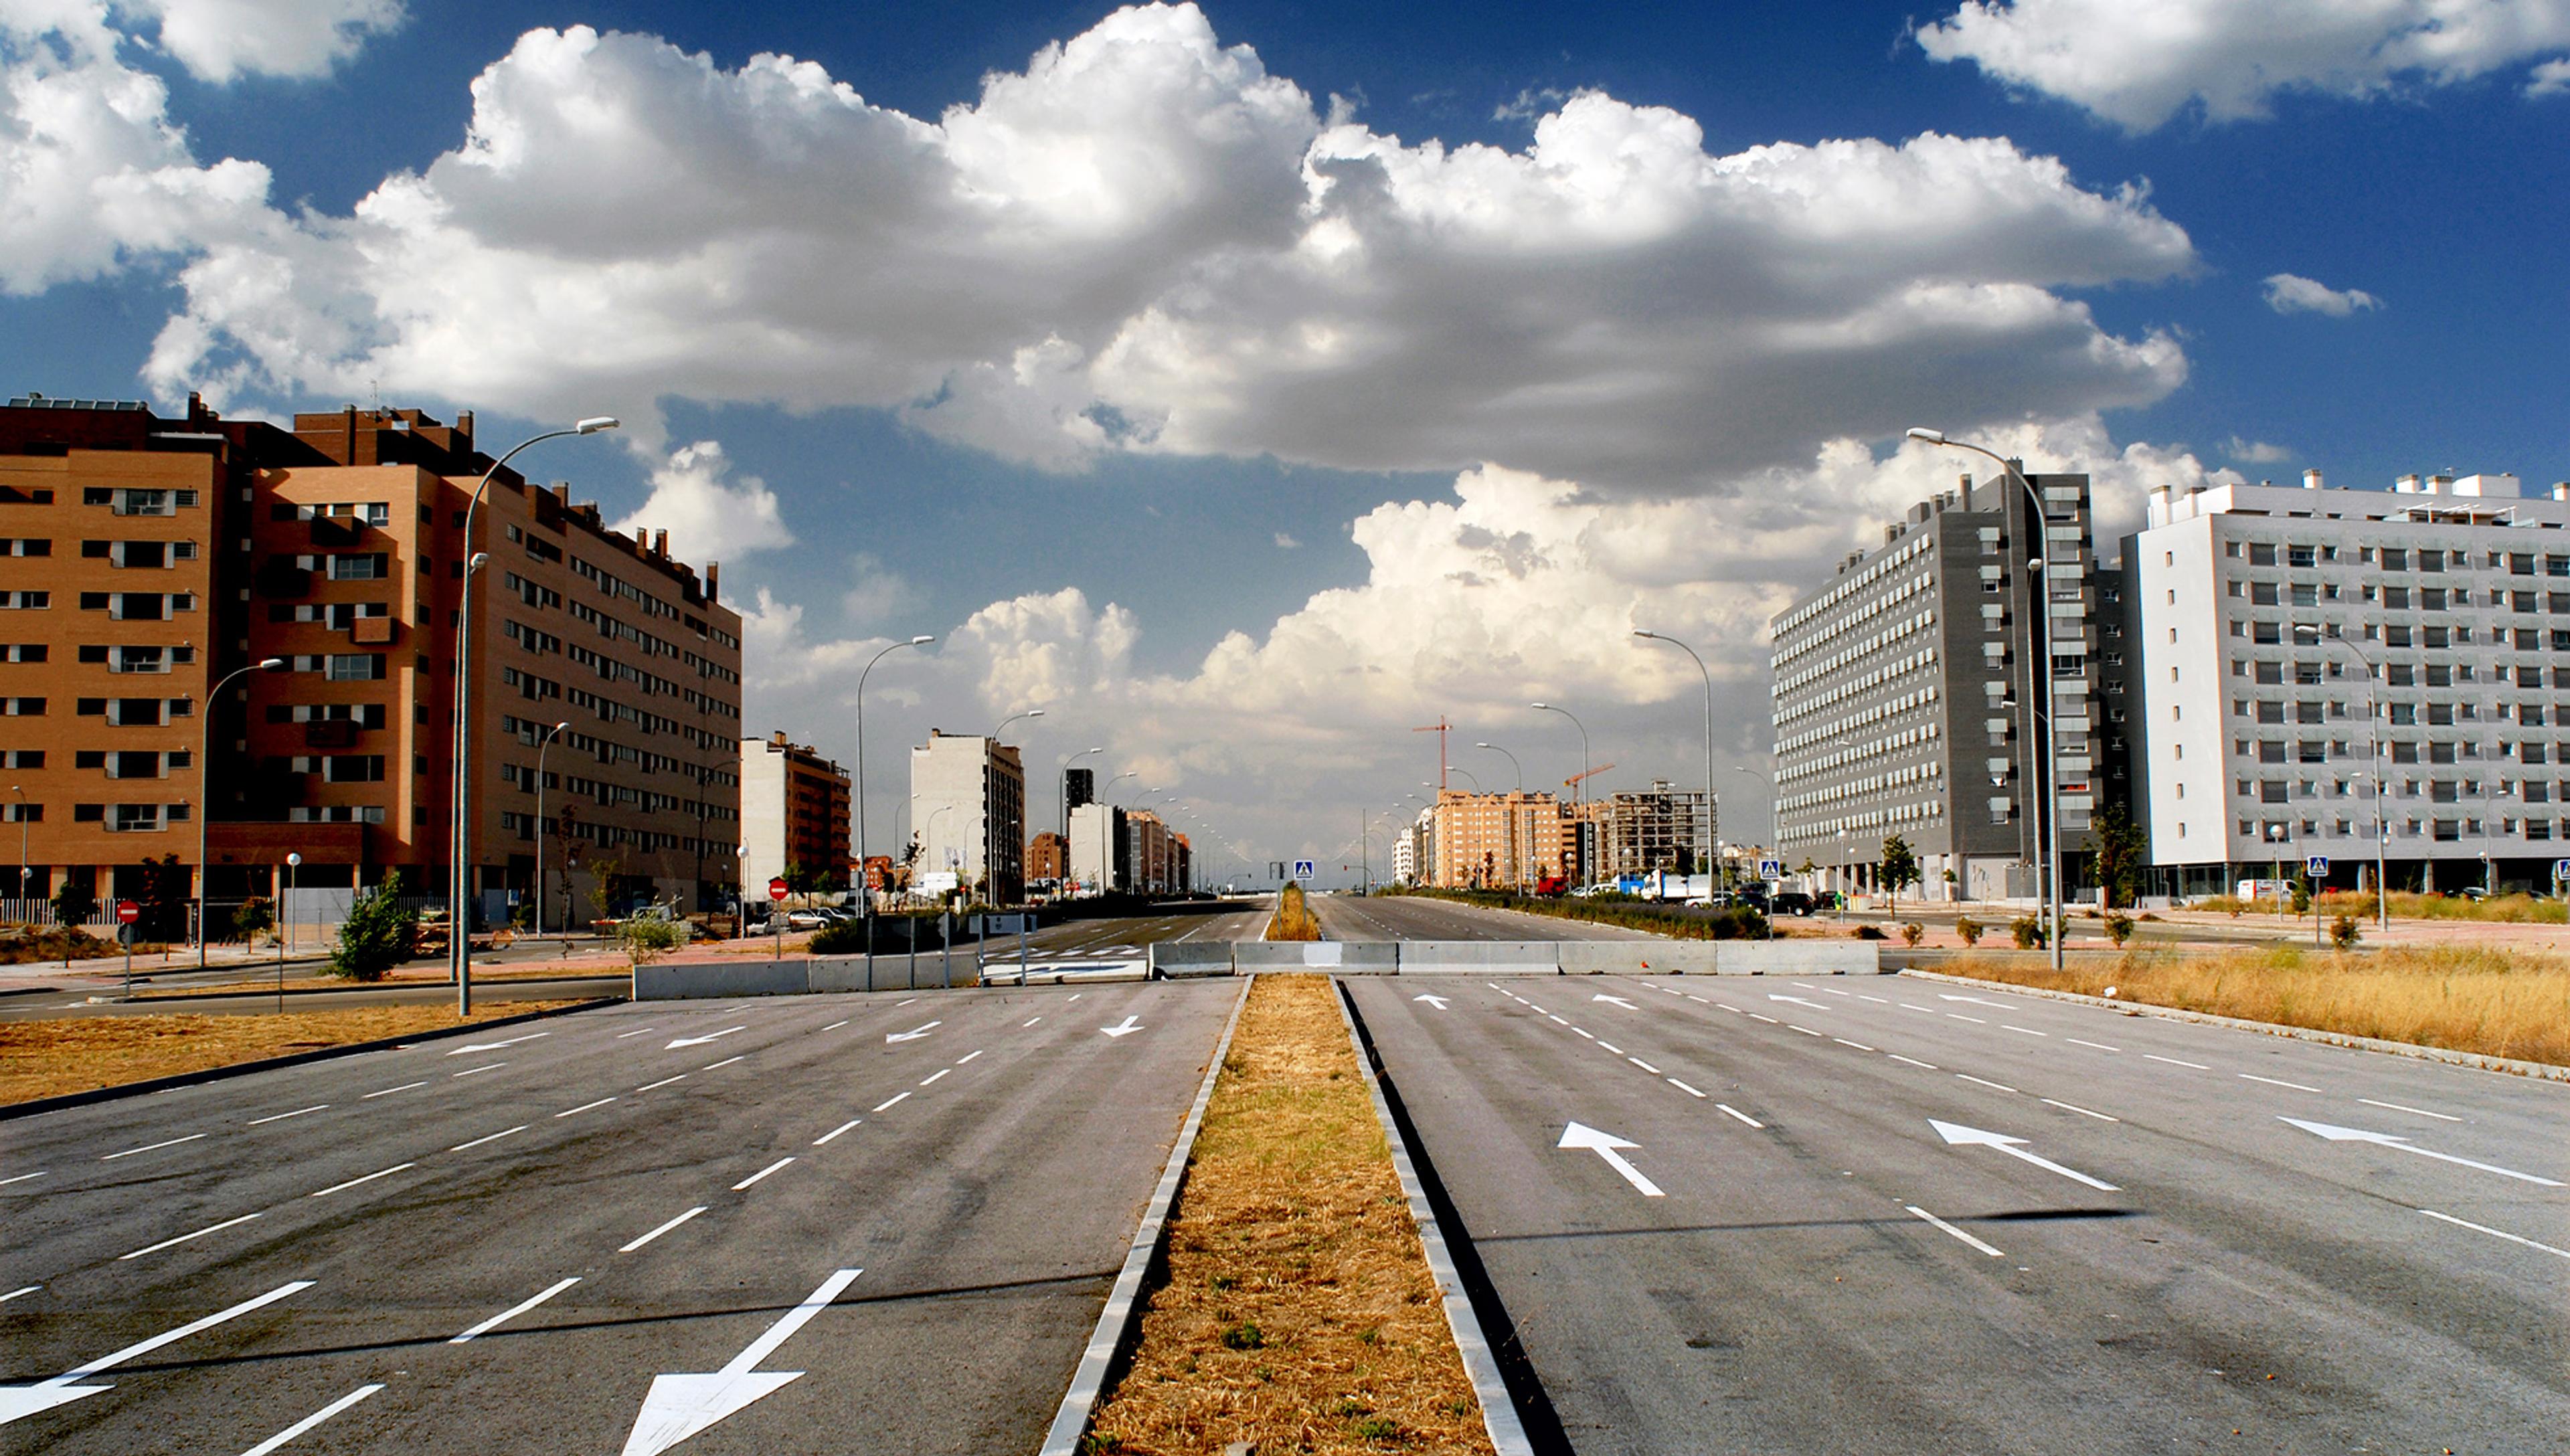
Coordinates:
1160 378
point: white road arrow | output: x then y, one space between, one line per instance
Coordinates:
2015 1147
701 1040
1127 1027
1975 1000
1608 1146
911 1035
1616 1000
20 1401
679 1406
1436 1001
1796 1000
2358 1134
496 1045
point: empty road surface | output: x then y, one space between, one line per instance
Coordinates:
1875 1214
1421 917
604 1232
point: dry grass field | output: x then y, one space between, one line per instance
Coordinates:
1298 1313
77 1054
2463 998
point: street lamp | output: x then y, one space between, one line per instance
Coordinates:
459 946
991 821
542 745
2381 785
1512 762
204 782
919 641
284 920
22 846
1709 722
1064 787
2039 649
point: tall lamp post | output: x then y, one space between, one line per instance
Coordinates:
1708 726
1775 838
458 944
1512 762
1580 791
990 821
2038 632
22 840
2303 631
1063 789
919 641
204 781
542 745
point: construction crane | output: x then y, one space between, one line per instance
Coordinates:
1441 728
1573 781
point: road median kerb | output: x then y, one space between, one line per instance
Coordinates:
2513 1066
1123 1317
35 1106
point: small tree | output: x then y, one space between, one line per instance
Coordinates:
601 885
74 905
2122 851
1969 929
2029 933
379 935
2303 894
253 915
165 901
2119 927
2345 933
1900 867
1912 932
646 939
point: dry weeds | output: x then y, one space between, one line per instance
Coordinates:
1299 1313
2463 998
1293 919
78 1054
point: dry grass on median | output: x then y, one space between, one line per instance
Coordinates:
81 1053
1298 1313
2495 1002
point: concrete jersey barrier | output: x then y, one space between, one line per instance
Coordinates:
1351 957
1488 957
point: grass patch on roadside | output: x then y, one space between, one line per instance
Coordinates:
2469 998
1298 1312
81 1053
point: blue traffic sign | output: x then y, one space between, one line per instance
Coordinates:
1771 869
1303 869
2317 865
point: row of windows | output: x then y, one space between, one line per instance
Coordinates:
138 553
2440 831
126 501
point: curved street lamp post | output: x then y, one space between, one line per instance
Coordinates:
205 788
865 888
1708 731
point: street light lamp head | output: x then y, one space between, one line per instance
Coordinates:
563 727
595 423
1546 706
1922 433
921 640
1481 745
1654 637
293 859
271 664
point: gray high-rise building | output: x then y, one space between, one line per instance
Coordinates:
1907 692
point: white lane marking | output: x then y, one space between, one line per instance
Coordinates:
663 1082
1614 1001
761 1173
1684 1087
1574 1028
679 1041
283 1116
1951 1228
897 1005
493 1067
23 1176
1959 1017
896 1098
389 1091
2495 1233
1797 1000
1538 1008
1611 1148
512 1312
680 1406
1803 985
1645 1066
965 1058
493 1138
1024 1026
2272 1082
1905 1006
1958 1134
1877 1000
2174 1063
914 1034
369 1178
496 1045
1807 1031
1736 1112
2099 1045
727 1061
1699 1001
1075 995
1859 1046
2369 1102
1835 991
2336 1134
933 1076
1914 1061
19 1401
835 1025
2002 1086
664 1229
151 1146
637 1032
834 1131
14 1294
183 1238
583 1107
2083 1112
1555 1020
1610 1046
1754 1017
2023 1031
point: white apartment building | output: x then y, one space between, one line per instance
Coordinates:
2285 632
1097 855
968 811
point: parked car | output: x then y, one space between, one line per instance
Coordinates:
806 919
1792 902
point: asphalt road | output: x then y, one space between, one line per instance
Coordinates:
1766 1277
677 1178
1418 917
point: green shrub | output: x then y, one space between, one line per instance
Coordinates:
378 933
2119 929
1871 932
2029 933
1244 1336
1912 932
2345 933
840 938
251 917
74 905
1969 929
648 937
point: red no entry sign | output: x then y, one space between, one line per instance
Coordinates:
777 887
127 913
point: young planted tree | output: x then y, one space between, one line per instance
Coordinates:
378 933
1900 867
74 905
2122 851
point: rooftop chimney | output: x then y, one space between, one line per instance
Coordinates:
2311 480
714 580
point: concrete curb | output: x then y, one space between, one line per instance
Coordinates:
1122 1315
2541 1071
1498 1412
269 1064
612 972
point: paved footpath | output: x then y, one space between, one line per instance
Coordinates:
1770 1215
570 1234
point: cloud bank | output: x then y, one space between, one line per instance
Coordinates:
2294 294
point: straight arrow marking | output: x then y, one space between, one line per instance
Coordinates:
1796 1000
1436 1001
2336 1134
20 1401
1615 1001
1610 1146
1956 1133
496 1045
912 1036
701 1040
680 1406
1127 1027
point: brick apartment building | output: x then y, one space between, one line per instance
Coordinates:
147 557
794 813
1499 841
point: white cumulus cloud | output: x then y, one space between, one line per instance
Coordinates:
2138 62
2552 78
2294 294
222 39
709 516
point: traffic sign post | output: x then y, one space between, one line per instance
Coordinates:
127 913
1771 869
2316 868
776 893
1303 871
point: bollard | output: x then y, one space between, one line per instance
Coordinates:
911 976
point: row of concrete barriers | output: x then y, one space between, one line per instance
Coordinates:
691 980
